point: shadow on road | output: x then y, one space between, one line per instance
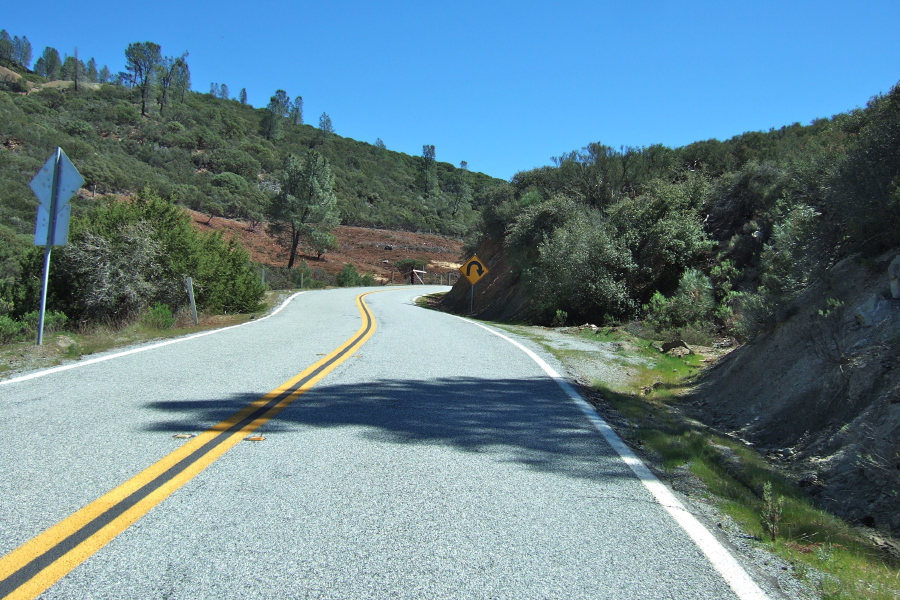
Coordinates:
524 420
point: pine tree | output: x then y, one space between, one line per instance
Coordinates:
223 91
276 112
325 125
91 73
297 111
305 206
7 49
242 97
141 60
169 78
22 51
52 63
428 168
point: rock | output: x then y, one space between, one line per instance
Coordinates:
677 343
894 276
872 311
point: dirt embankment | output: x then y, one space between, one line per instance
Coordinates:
370 251
499 295
820 393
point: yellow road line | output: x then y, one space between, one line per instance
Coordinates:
45 559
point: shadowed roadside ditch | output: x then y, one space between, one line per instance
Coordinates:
528 419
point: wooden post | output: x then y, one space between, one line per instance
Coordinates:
189 283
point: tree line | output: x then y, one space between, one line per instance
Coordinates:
716 237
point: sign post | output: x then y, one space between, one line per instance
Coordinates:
473 270
54 185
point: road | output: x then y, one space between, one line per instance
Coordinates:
433 459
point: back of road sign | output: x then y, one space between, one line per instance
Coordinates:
70 180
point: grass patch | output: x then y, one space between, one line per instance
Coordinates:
66 346
829 554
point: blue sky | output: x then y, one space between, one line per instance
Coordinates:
507 85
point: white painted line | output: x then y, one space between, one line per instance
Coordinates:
721 559
91 361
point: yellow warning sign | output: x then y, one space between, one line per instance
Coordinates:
474 269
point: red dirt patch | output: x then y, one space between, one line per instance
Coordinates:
368 250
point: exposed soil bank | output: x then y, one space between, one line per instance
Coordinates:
821 393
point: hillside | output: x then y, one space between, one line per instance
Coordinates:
186 150
370 251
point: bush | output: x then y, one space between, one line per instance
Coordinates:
10 329
350 277
126 256
691 304
159 317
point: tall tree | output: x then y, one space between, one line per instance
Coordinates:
242 97
76 70
276 112
297 111
22 51
305 207
325 125
326 130
182 82
214 90
52 63
379 143
7 49
462 189
104 75
141 60
428 169
223 91
168 78
91 73
72 70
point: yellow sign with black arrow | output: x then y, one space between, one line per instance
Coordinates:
474 269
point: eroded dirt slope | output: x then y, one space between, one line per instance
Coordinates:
371 251
820 393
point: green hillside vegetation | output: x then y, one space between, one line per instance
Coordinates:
713 237
143 131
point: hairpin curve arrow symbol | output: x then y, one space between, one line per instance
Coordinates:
475 264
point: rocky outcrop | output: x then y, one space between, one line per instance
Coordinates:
821 392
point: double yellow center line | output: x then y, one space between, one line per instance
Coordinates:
42 561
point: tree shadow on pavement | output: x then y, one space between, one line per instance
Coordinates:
528 421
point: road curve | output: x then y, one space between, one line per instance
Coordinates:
435 461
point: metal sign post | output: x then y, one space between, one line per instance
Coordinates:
474 270
54 185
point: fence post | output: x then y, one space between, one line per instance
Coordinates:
189 283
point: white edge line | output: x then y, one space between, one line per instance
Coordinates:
91 361
721 559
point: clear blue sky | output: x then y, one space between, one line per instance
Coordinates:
506 85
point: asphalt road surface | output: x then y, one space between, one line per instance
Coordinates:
433 459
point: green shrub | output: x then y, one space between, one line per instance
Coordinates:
159 316
691 304
350 277
10 329
125 256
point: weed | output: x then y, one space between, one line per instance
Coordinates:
771 511
560 318
159 317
